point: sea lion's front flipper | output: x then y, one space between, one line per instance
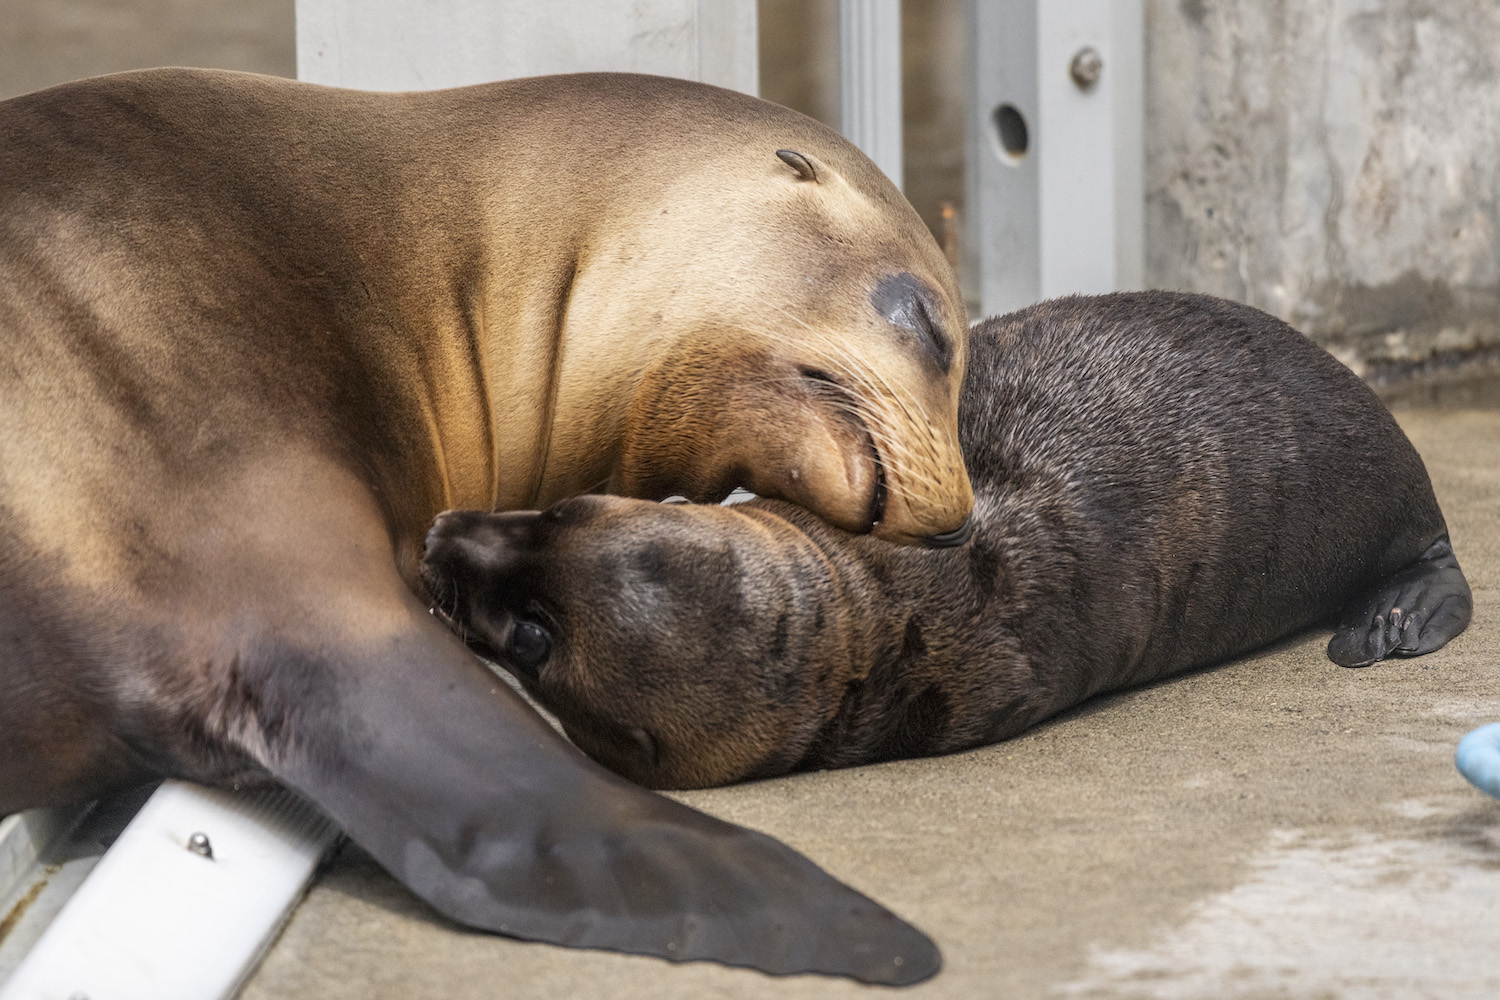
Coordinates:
1413 611
464 794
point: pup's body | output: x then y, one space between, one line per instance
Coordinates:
1162 481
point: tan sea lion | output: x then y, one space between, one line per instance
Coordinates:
1162 481
257 333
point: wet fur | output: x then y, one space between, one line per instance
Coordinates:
1162 481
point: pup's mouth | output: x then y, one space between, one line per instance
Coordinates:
442 591
442 604
439 593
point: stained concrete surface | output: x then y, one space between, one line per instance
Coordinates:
1276 827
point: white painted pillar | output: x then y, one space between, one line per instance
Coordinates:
428 44
870 80
1056 193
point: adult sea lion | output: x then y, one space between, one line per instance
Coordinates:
1161 481
257 333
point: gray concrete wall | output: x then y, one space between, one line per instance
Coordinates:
1336 162
46 42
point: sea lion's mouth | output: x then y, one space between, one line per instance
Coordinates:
435 609
878 497
631 751
835 394
436 573
441 597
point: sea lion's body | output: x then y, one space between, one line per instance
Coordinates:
254 334
1161 482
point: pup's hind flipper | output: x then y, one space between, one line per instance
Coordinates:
1413 611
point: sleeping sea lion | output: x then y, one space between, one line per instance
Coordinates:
1161 481
257 333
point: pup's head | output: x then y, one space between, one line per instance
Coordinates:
679 645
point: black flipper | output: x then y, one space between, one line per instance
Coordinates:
468 797
1414 611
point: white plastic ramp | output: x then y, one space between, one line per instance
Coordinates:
183 903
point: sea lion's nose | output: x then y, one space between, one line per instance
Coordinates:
949 539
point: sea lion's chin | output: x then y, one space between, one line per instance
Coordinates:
655 751
650 753
826 460
949 525
612 746
633 752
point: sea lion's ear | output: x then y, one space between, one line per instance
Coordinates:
463 793
802 164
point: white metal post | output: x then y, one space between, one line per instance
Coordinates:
1055 189
416 45
870 80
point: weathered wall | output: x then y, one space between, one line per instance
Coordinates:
799 56
934 94
1336 162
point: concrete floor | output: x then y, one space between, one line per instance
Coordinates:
1278 827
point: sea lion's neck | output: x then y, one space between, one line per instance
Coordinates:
468 296
899 698
527 368
885 708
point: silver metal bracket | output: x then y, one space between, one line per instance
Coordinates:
1055 174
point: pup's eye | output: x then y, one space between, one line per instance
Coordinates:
529 644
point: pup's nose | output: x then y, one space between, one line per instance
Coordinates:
450 522
480 537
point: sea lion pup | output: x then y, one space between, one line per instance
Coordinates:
255 334
1161 481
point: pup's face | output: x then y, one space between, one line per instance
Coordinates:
679 645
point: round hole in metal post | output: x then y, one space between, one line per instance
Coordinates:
1011 132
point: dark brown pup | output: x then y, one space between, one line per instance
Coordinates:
1161 481
256 334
